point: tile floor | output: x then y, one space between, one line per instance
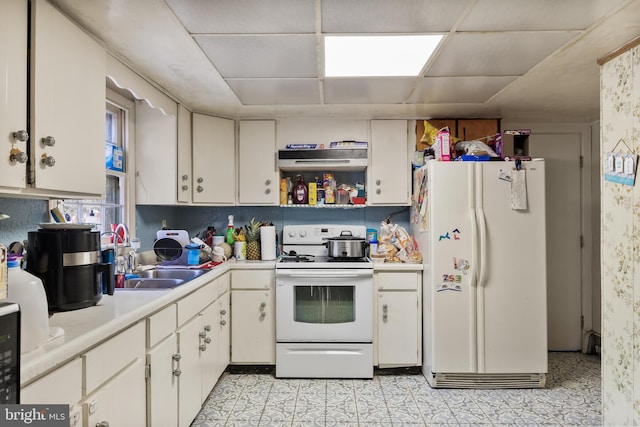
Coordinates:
253 397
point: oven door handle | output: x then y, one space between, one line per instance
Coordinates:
326 274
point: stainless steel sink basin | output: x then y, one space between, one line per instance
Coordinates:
182 274
161 279
151 283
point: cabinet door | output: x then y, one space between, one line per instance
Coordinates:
252 327
224 333
390 168
189 390
121 401
68 93
214 160
156 153
162 383
470 129
209 349
257 174
13 91
184 155
397 339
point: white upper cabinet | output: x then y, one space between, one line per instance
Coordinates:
184 155
156 155
67 129
258 172
389 181
214 165
13 94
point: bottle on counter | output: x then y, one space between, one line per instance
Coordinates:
230 231
300 192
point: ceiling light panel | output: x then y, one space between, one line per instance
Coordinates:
261 55
384 16
375 56
245 16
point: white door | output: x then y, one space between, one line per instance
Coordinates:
451 279
189 388
562 158
390 169
184 155
397 328
258 175
512 331
162 384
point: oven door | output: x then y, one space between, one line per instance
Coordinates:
324 305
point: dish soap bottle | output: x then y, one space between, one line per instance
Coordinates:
230 231
300 192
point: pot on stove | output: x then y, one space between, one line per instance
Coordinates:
346 246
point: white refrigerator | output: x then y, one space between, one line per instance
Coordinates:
481 229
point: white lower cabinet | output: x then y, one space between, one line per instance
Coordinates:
253 337
398 338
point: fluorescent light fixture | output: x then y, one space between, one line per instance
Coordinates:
377 56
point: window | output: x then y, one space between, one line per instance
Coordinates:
111 210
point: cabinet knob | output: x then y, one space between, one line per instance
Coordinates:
207 328
267 191
384 307
223 322
203 347
378 191
207 340
185 177
377 182
47 160
200 189
21 135
102 424
17 156
202 334
223 311
384 316
200 180
176 357
263 315
263 305
177 372
185 187
48 141
267 182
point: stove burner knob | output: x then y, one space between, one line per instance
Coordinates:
292 233
303 233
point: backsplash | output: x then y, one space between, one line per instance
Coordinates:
26 214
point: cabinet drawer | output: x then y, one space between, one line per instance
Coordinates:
110 357
161 325
396 280
252 279
62 386
192 304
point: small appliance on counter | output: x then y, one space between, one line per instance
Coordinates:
169 247
9 353
67 258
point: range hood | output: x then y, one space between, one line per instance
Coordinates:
331 159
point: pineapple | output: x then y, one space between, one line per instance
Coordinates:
252 234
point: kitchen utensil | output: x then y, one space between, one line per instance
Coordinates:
346 246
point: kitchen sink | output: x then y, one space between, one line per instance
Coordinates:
151 283
161 279
182 274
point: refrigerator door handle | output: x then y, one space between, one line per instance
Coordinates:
482 226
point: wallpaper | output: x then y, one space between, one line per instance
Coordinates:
620 233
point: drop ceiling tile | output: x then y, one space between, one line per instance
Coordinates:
496 54
276 91
252 56
245 16
384 16
452 90
367 90
525 15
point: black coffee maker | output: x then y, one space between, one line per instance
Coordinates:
68 261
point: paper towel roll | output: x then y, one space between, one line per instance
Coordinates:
268 242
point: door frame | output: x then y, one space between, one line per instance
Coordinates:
589 270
